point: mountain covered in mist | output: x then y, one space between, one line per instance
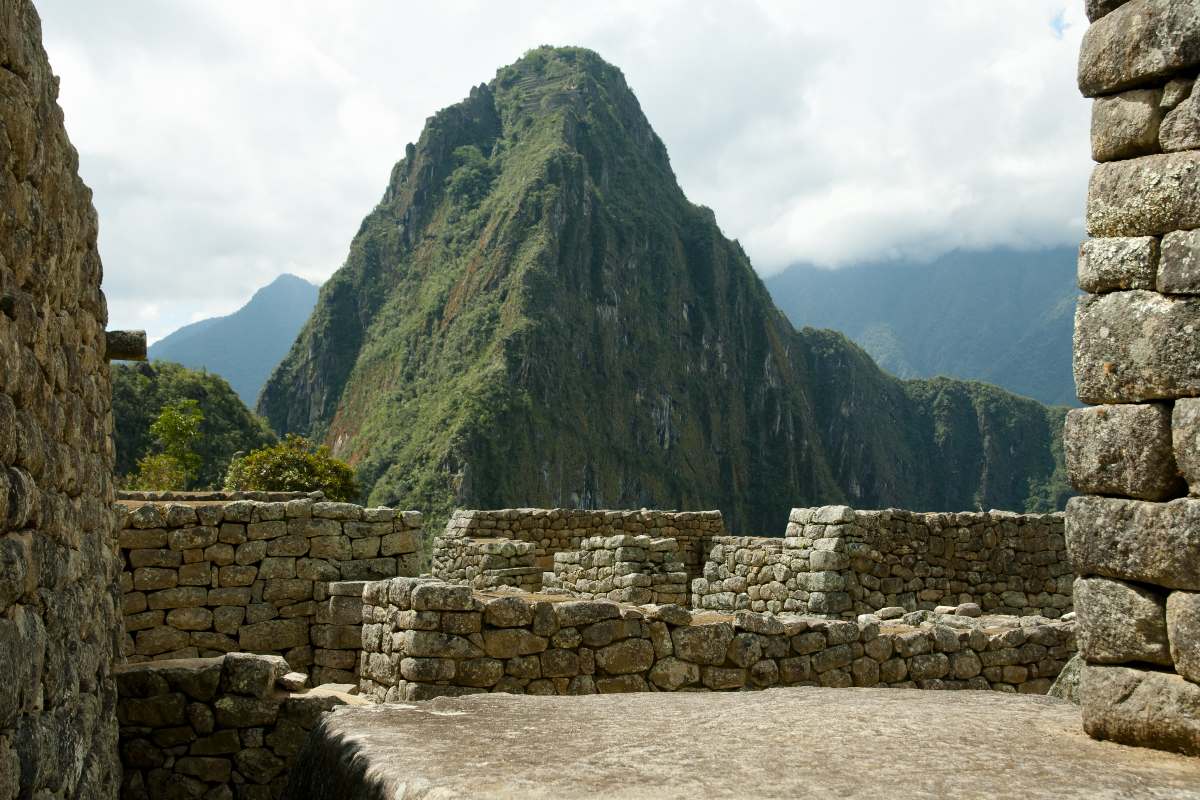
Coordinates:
1001 316
535 315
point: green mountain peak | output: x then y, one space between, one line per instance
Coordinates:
534 314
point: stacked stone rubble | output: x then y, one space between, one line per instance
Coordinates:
553 530
487 563
336 632
1134 454
624 568
228 726
423 638
210 578
60 619
838 562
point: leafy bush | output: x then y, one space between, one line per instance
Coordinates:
293 465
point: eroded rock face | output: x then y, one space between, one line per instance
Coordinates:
1138 42
1122 449
1119 622
1135 346
60 626
1141 707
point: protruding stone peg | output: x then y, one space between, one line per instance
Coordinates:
125 345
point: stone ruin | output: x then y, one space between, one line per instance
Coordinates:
628 569
121 621
1134 454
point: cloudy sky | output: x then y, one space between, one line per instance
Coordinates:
230 141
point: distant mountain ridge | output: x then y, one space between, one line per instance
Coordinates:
244 347
1001 316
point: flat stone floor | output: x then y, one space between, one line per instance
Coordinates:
794 742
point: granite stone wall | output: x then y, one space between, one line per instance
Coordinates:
1134 454
222 727
554 530
487 563
838 562
60 620
624 568
202 579
423 638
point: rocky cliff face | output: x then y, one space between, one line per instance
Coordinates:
534 314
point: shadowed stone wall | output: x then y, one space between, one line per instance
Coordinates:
1134 537
202 579
60 621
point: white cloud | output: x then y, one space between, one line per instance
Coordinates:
228 142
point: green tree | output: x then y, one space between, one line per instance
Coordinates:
176 432
293 465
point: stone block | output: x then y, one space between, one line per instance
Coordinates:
1118 263
1180 130
627 656
670 674
1144 708
1126 125
1135 540
251 675
703 644
508 612
274 634
237 711
1122 450
190 619
404 541
1179 263
179 597
1183 631
1138 43
1119 622
578 613
368 569
1147 196
1135 346
442 597
148 578
1185 440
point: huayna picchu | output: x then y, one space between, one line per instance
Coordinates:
535 315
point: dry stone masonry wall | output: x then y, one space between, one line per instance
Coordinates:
203 579
838 562
222 727
554 530
60 617
1134 537
423 638
487 563
625 568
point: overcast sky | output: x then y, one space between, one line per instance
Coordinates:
228 142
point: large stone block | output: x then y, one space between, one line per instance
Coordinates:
1146 196
1139 43
1136 346
1119 622
1183 630
1141 707
1185 439
1179 263
1180 129
1135 540
274 634
1116 263
1126 125
1122 450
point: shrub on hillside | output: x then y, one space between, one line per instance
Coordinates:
293 465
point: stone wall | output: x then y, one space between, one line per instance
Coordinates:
203 579
60 621
838 562
487 563
624 568
423 638
554 530
214 727
1134 538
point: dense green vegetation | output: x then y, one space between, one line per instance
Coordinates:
175 463
244 346
534 314
141 392
1001 316
293 465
